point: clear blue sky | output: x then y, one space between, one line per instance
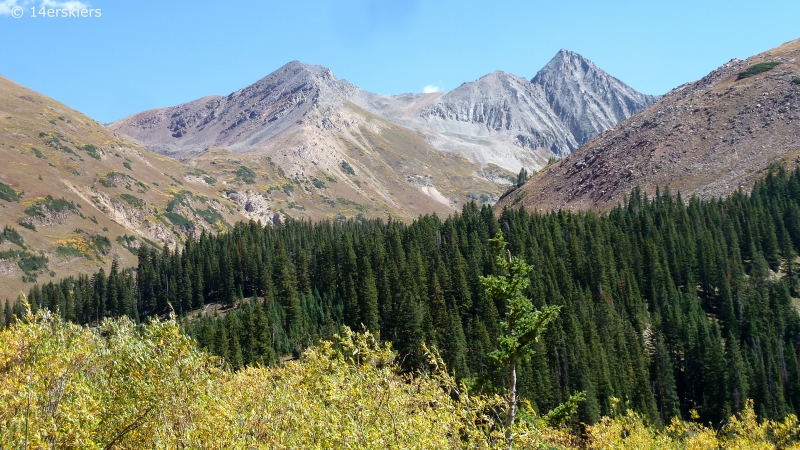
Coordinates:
145 54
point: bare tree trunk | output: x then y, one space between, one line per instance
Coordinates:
512 402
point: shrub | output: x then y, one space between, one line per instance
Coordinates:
178 220
245 175
92 151
131 200
757 69
51 204
8 193
127 165
32 263
128 243
796 80
210 215
11 235
27 225
347 168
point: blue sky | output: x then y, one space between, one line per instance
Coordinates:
144 54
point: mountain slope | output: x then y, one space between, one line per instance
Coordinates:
500 108
74 197
333 139
708 137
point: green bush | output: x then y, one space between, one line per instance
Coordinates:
37 152
319 184
128 243
101 242
210 215
11 235
131 200
796 80
52 204
8 194
27 225
178 220
127 165
32 263
757 69
92 151
347 168
245 175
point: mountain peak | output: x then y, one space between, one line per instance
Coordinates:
297 69
585 97
570 62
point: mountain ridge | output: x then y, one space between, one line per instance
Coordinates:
313 126
539 125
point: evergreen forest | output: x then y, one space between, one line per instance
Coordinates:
668 308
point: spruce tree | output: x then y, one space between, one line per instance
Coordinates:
522 324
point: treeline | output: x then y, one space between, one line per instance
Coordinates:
667 306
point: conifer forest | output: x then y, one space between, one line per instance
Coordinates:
667 306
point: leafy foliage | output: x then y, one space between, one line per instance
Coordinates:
144 387
178 220
131 200
91 150
118 385
129 243
522 325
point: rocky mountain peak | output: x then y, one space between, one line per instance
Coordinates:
585 97
567 61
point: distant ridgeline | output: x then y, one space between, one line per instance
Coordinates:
666 306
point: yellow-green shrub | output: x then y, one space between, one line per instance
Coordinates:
125 386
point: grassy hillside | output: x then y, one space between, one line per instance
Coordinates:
79 197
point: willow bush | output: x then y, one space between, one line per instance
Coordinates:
120 385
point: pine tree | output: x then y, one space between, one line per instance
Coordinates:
522 324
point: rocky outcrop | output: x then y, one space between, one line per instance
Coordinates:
252 205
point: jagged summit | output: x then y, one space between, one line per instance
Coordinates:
295 73
586 98
506 107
